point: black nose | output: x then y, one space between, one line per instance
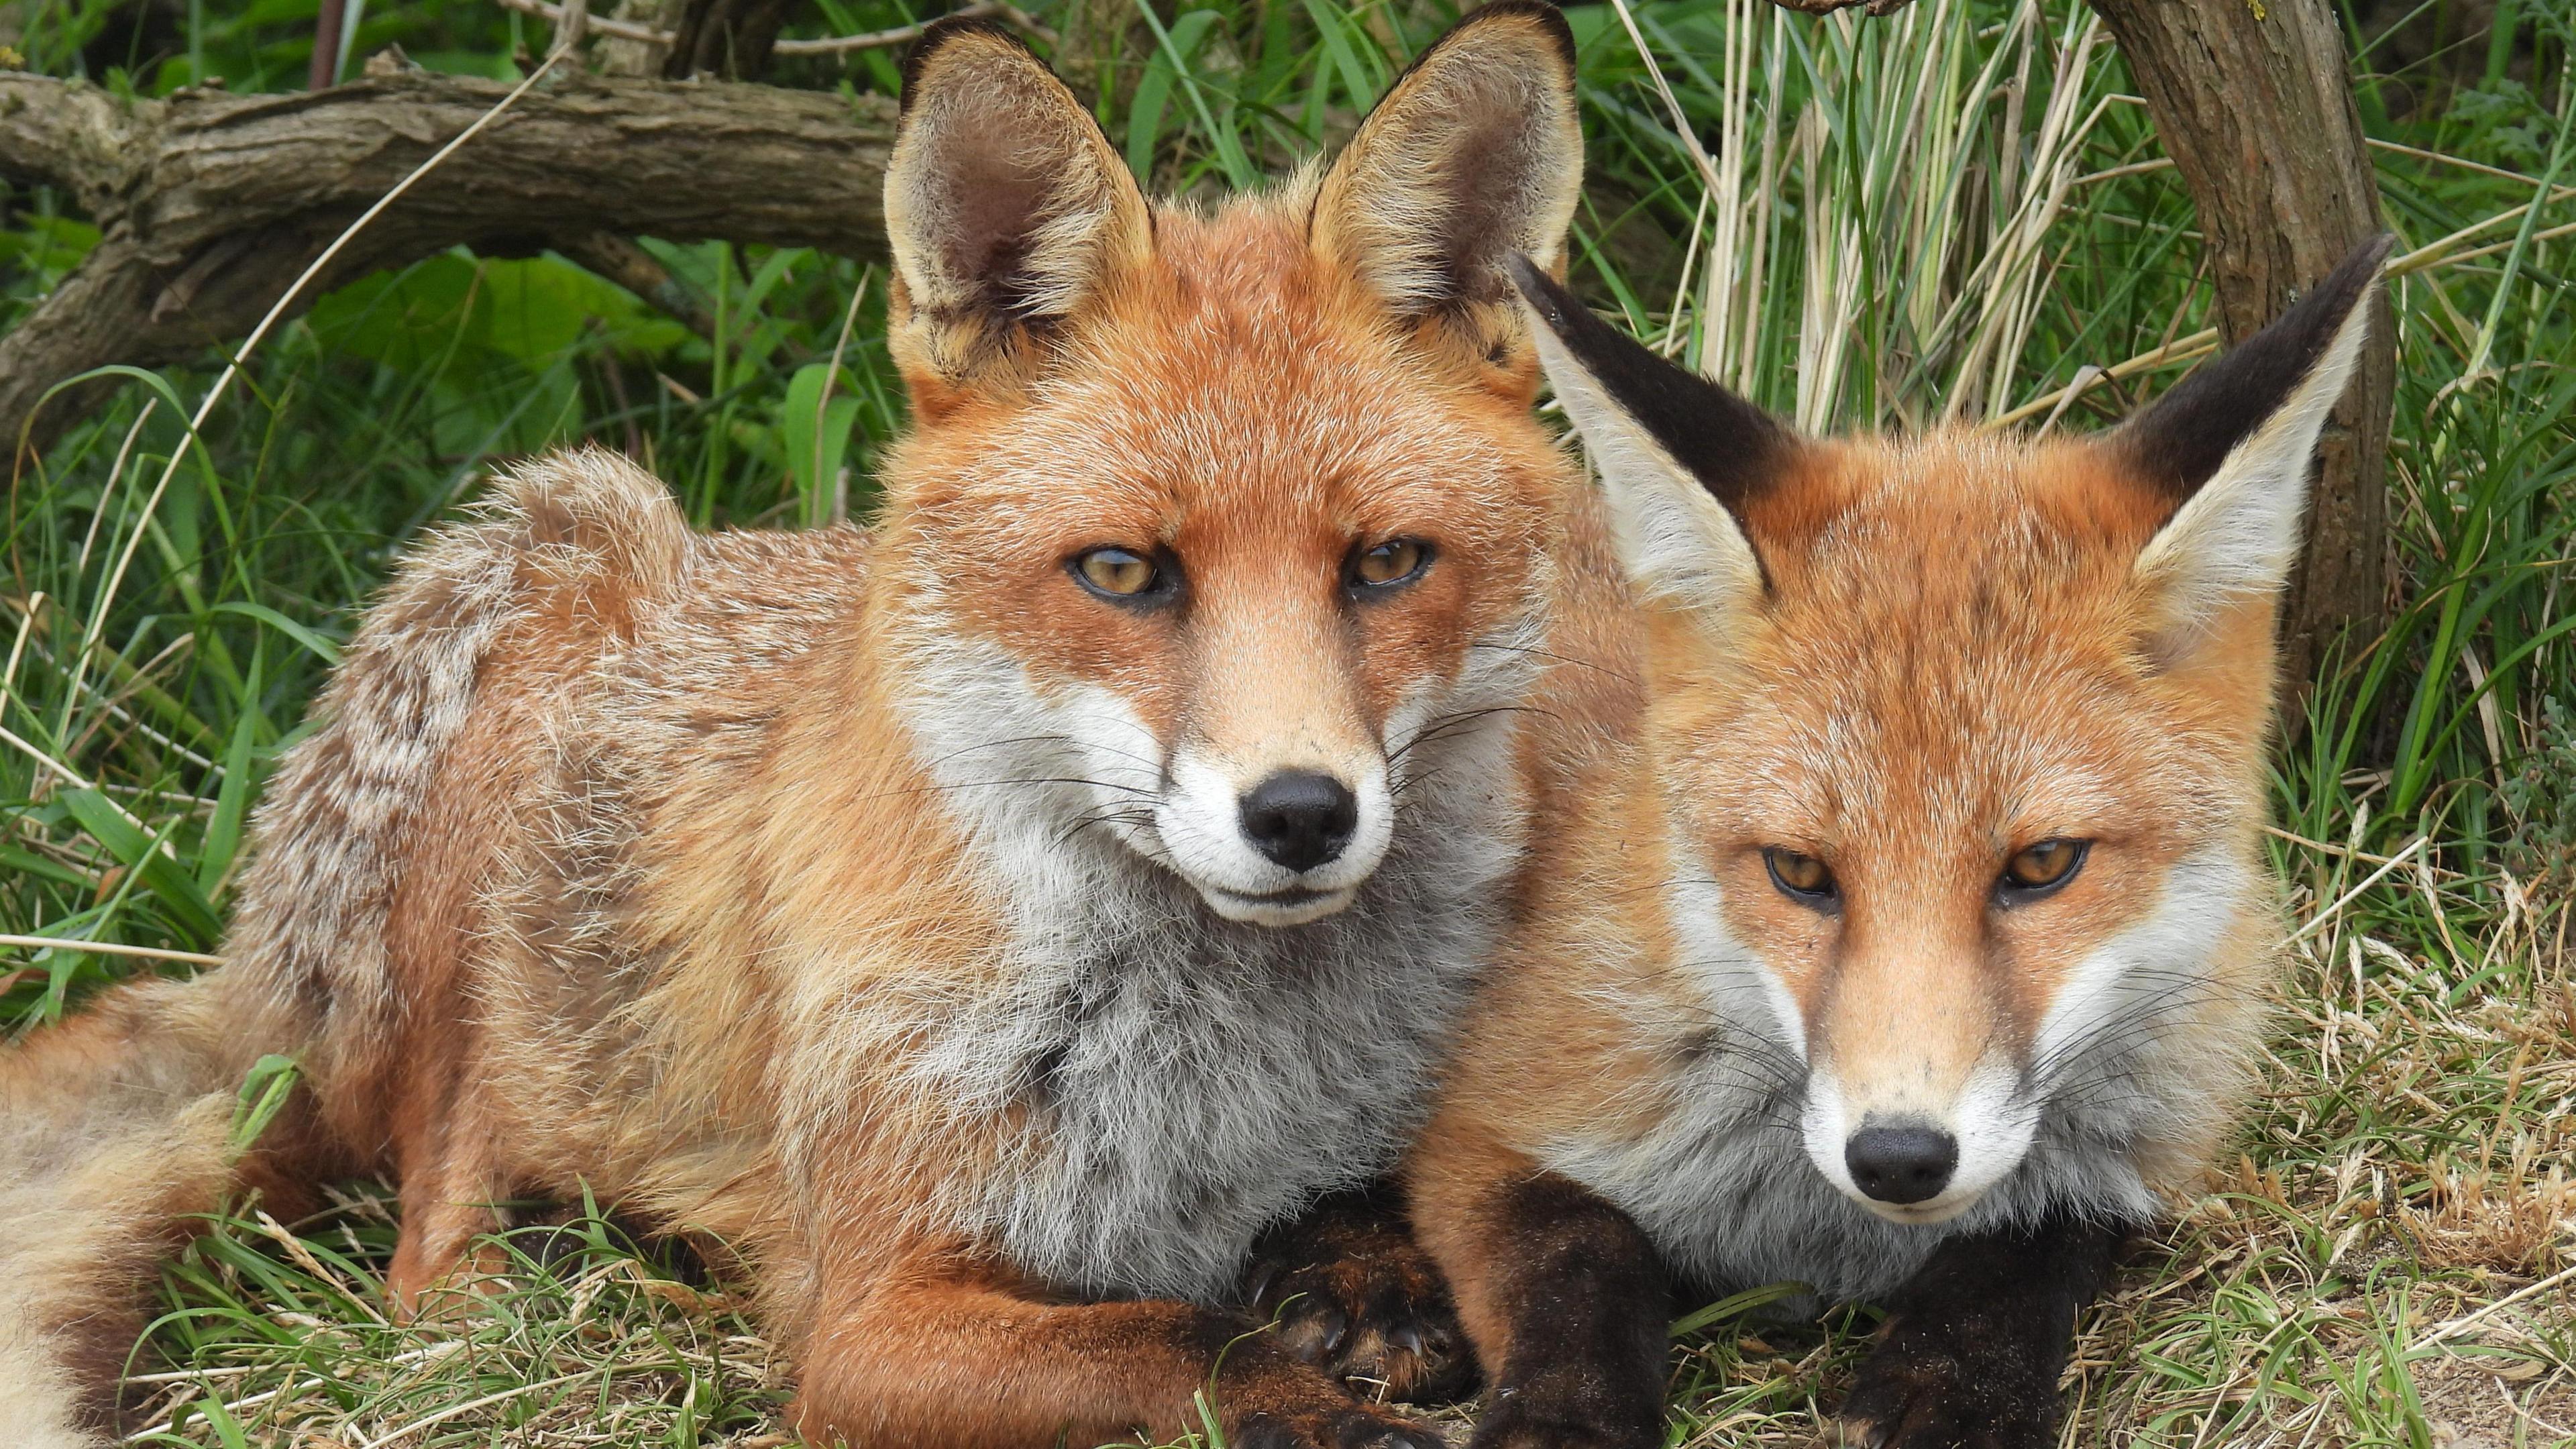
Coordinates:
1299 818
1901 1164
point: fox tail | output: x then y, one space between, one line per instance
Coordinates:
115 1128
116 1125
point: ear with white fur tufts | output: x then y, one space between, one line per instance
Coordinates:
1475 153
1006 208
1679 456
2232 446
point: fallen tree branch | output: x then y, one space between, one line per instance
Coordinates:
72 143
833 45
210 205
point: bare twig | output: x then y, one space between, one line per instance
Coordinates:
823 402
109 948
834 45
621 261
2181 349
2470 1320
328 21
1828 7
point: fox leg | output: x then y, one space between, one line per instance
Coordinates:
1562 1293
941 1355
1976 1339
442 1216
451 1191
1351 1292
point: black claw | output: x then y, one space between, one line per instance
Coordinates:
1861 1434
1337 1329
1406 1436
1263 1432
1352 1294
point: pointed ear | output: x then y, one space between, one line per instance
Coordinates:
1006 208
1475 154
1680 457
2231 446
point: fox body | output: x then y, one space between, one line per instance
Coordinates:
1910 944
1014 905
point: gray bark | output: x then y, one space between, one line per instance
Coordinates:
2253 100
209 205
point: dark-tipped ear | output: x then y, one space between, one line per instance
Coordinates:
1475 154
2231 446
1006 208
1680 457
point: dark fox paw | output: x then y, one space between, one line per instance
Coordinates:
1509 1425
1352 1295
1915 1392
1355 1427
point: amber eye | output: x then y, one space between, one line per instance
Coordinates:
1802 878
1117 573
2042 868
1392 562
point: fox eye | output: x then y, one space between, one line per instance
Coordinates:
1117 573
1396 561
2042 869
1802 878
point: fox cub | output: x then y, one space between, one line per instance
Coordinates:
983 923
1912 947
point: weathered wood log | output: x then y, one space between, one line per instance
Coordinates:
209 205
2253 100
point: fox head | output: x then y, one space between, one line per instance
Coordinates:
1210 517
1956 740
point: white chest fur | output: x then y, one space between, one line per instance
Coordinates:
1178 1081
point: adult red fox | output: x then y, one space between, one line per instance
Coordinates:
983 923
1913 945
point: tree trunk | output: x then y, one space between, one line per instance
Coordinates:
2253 100
210 205
731 39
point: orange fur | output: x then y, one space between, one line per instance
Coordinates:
1948 671
636 862
1776 1005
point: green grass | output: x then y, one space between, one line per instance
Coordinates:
1945 214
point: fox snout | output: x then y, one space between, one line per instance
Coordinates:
1301 819
1904 1162
1276 804
1916 1099
1910 1147
1273 843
